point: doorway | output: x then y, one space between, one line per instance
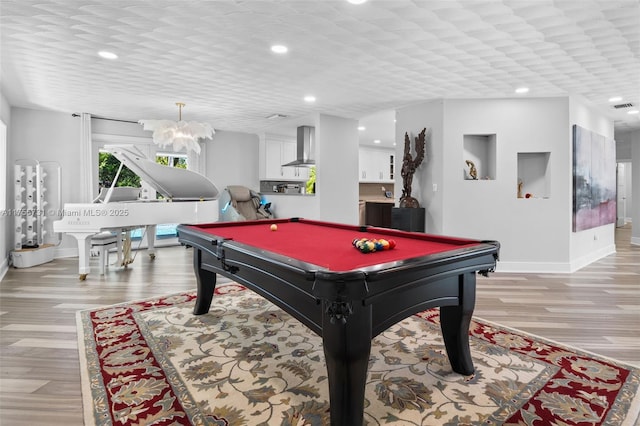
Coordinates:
624 191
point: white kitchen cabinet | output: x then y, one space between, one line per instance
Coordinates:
279 152
375 165
273 159
364 164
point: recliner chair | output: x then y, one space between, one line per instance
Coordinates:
238 203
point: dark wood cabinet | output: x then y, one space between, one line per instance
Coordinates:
378 214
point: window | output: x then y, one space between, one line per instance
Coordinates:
108 166
172 159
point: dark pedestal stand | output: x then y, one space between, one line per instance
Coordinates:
408 219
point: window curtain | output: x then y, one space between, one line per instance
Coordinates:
86 191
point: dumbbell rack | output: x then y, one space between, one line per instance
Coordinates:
36 206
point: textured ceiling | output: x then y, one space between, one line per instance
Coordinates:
357 60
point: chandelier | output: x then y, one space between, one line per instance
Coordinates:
180 134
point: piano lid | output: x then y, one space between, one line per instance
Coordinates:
173 183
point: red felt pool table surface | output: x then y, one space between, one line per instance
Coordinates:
329 245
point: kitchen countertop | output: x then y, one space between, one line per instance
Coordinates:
378 200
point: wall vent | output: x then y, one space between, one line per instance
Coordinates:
623 106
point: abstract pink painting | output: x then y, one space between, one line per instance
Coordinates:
594 179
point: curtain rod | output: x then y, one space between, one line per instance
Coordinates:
105 118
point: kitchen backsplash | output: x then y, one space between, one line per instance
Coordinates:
283 187
373 191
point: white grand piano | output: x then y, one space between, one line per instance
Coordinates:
189 197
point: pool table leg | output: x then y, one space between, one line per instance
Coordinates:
454 322
346 349
206 284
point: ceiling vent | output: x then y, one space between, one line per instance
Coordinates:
276 116
623 106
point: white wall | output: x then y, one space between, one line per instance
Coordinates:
592 244
5 221
628 149
412 120
635 218
48 136
285 206
533 233
120 128
623 144
337 169
232 159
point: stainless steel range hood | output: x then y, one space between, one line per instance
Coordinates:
305 148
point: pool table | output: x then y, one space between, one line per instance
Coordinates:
311 270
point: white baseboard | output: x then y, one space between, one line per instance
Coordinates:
592 257
533 267
65 252
635 241
160 242
555 267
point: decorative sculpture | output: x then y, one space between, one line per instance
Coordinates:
520 183
409 166
473 172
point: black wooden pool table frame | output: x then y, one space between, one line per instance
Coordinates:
348 309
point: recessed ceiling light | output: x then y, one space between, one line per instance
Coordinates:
357 1
309 98
361 128
521 90
633 111
615 99
376 141
279 48
107 55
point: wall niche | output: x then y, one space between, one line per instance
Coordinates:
534 177
479 157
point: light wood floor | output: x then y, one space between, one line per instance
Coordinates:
596 309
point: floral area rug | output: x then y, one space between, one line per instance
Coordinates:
249 363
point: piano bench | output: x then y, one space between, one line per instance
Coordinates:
103 242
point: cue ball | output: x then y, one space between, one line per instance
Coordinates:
274 227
